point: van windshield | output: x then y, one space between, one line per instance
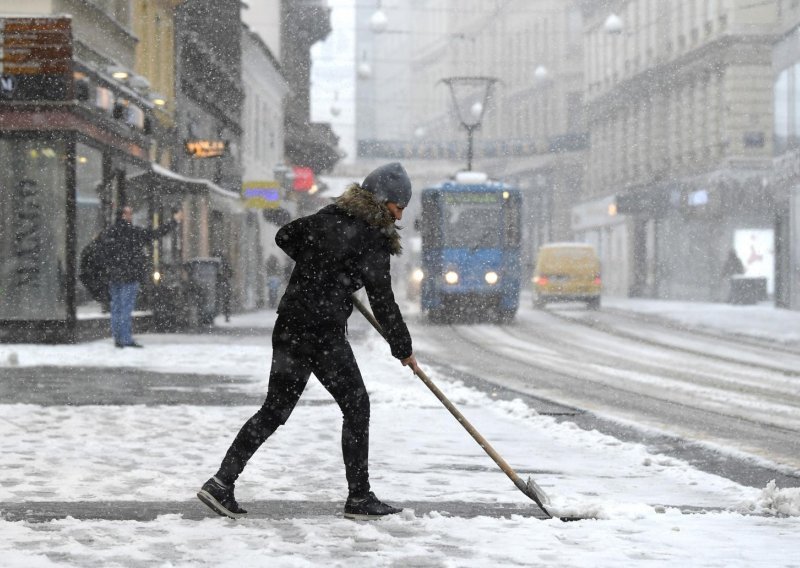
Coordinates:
572 254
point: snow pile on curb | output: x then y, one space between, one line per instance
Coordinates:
775 501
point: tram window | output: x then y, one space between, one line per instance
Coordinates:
512 208
431 220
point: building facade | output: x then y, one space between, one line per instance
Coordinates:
532 130
153 23
642 127
265 91
307 144
211 98
74 129
136 103
679 112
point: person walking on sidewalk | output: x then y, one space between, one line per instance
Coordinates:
730 269
128 268
338 250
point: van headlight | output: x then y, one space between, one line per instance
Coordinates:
491 277
451 277
417 275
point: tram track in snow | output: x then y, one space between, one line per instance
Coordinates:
656 358
718 334
657 325
701 390
724 402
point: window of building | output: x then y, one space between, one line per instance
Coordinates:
781 112
33 233
794 97
575 119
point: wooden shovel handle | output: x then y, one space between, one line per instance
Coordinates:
487 447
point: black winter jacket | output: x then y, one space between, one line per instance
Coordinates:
126 257
339 250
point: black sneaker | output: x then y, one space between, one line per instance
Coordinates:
367 508
219 498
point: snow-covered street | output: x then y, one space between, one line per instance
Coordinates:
98 459
717 375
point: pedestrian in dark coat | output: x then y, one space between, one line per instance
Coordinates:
342 248
127 268
224 285
274 281
731 268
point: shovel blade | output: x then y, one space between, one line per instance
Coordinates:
534 489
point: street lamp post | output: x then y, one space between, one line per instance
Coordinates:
470 97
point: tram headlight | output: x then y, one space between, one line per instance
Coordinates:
417 275
491 277
451 277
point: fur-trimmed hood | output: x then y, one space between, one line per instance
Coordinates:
361 204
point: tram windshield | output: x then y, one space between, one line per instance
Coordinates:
475 226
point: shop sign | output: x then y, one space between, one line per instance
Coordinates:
206 148
35 58
8 84
261 194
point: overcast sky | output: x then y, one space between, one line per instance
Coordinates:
333 76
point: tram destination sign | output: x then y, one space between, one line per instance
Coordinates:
471 198
35 59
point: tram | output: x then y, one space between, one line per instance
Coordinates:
471 233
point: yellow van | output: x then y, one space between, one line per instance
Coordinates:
567 272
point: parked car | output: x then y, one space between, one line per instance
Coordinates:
567 272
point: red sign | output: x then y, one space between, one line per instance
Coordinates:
303 178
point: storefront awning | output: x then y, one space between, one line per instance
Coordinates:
653 202
159 179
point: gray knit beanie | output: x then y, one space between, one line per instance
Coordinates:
389 183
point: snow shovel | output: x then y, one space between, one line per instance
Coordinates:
529 487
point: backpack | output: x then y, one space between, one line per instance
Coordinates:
94 269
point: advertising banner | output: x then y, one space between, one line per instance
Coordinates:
261 194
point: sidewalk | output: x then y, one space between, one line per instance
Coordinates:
104 448
761 321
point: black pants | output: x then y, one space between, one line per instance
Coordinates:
298 351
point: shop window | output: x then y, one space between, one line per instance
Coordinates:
33 231
168 250
88 205
754 139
